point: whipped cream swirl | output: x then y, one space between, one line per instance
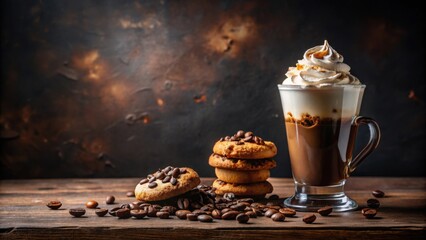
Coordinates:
321 66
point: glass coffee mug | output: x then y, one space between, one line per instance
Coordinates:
321 126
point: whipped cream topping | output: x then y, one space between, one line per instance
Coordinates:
320 66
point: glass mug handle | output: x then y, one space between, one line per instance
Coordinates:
372 143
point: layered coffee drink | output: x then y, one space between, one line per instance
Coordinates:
321 100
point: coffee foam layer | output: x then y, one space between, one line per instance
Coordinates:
332 102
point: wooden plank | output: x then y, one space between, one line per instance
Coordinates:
23 213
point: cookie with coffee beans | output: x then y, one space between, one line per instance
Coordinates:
257 190
219 161
166 183
245 145
232 176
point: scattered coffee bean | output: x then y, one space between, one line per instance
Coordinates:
123 213
133 206
230 215
110 200
163 215
270 212
152 184
130 194
369 213
274 197
216 214
242 218
125 205
288 212
278 217
92 204
204 218
309 218
170 209
151 211
192 217
101 212
378 193
373 203
138 213
258 212
246 200
325 211
183 203
229 196
77 212
251 214
181 214
113 211
54 205
238 207
199 212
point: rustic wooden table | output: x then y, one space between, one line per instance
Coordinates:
24 215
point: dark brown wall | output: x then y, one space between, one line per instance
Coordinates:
121 88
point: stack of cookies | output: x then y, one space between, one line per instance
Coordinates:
242 163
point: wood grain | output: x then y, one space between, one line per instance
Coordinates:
23 214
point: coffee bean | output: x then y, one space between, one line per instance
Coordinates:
238 207
369 213
248 134
151 211
54 205
167 169
133 206
199 212
274 197
242 218
173 181
278 217
77 212
152 179
373 203
270 212
166 179
309 218
245 200
101 212
130 194
181 214
240 134
110 200
216 214
139 203
230 215
125 205
170 209
138 213
378 193
182 170
325 211
288 212
183 203
92 204
247 139
113 211
143 181
163 215
152 184
251 214
123 213
192 217
204 218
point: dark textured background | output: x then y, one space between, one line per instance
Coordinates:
120 88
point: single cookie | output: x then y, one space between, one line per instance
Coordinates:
218 161
245 150
250 189
232 176
166 183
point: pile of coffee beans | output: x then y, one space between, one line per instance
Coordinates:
168 174
241 137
